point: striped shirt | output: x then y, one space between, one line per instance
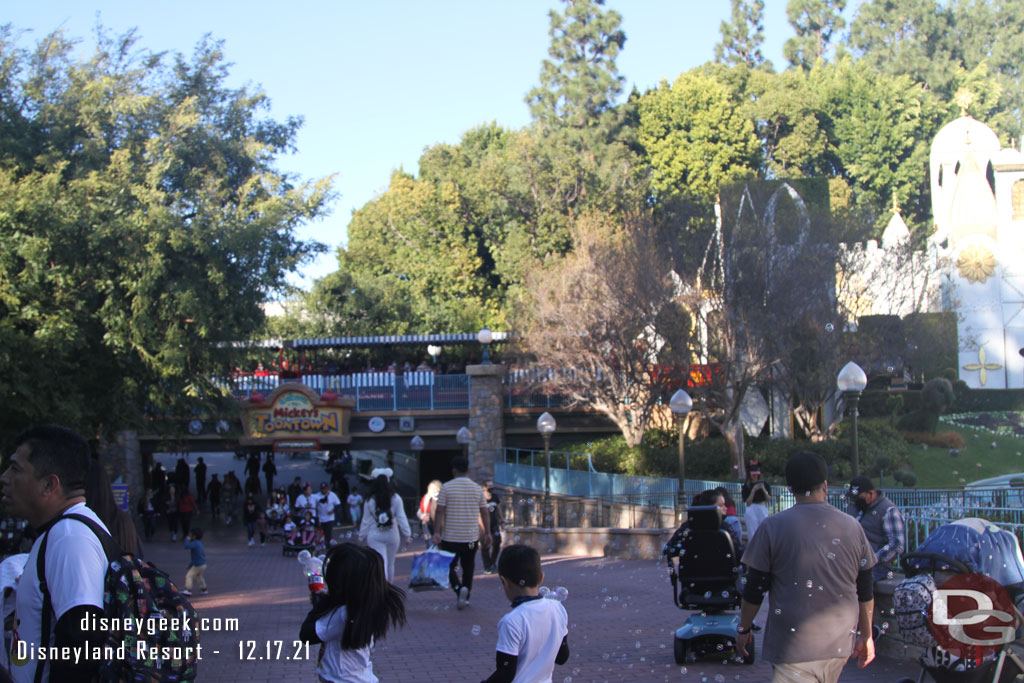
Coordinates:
462 500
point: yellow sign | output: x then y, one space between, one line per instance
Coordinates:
294 411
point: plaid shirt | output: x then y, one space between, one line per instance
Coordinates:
896 533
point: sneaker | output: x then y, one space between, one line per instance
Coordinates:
262 544
174 537
463 598
186 592
251 543
205 591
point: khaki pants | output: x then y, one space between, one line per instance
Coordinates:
195 574
820 671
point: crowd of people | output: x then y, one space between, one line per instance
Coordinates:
52 474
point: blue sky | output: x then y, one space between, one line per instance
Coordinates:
377 82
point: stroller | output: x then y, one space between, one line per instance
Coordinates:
308 536
966 550
706 581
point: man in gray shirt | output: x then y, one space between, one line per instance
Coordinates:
815 564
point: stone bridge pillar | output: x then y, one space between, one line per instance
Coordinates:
486 420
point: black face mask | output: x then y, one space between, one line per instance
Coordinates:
860 504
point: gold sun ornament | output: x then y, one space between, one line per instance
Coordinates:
976 263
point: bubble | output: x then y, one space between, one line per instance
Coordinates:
561 593
567 679
720 647
810 584
836 541
831 556
476 629
605 656
683 671
829 327
604 590
638 644
543 590
863 561
725 594
707 595
719 678
516 538
778 611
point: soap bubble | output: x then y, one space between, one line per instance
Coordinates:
836 541
544 590
683 671
810 584
476 630
831 556
561 593
638 644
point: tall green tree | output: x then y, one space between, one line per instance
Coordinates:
743 36
816 23
142 224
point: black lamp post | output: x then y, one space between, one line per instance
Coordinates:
681 404
852 381
546 426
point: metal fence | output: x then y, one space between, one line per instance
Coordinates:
377 391
573 474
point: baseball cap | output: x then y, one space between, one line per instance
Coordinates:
860 484
805 472
754 467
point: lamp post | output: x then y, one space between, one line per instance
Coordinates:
681 404
485 337
546 426
416 445
463 437
852 381
434 350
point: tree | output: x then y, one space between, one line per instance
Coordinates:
815 23
743 37
604 315
142 224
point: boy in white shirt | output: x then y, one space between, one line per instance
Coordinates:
534 636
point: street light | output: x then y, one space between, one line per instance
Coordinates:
852 381
434 350
546 426
416 444
463 437
681 404
485 337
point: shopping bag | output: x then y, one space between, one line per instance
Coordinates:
430 570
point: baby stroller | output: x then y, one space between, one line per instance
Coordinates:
954 556
307 537
706 581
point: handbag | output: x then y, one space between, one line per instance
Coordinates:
430 570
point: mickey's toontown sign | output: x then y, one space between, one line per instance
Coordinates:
294 417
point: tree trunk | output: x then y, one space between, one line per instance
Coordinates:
733 433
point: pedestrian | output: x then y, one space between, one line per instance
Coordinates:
757 494
230 490
460 505
357 609
214 493
181 475
200 472
815 563
730 521
250 515
100 498
252 485
269 472
196 572
294 489
882 522
306 500
534 635
158 480
327 503
425 513
147 511
45 480
171 511
489 555
186 508
384 525
252 465
355 505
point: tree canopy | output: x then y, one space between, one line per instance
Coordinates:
142 224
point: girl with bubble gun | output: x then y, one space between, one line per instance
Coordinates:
356 607
534 636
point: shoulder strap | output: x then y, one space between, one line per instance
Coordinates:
110 548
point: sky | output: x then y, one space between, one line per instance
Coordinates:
378 82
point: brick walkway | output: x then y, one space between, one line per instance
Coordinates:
620 612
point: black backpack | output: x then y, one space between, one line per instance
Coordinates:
135 589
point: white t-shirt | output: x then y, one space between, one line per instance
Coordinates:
533 633
304 502
348 666
325 504
355 501
75 568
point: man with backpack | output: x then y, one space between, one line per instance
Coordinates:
44 481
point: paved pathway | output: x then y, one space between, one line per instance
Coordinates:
621 622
